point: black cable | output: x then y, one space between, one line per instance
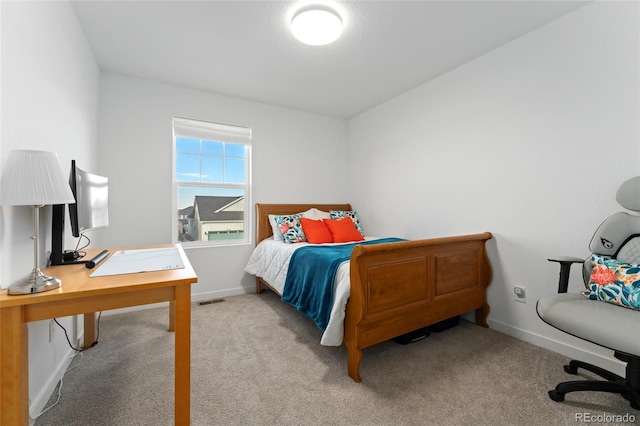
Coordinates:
80 250
69 341
80 239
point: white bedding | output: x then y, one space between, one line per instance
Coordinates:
270 261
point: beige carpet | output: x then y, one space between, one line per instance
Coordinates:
257 361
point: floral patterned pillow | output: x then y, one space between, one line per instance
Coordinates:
353 214
615 282
291 228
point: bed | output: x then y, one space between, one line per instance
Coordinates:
392 288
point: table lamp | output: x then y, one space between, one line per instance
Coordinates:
34 178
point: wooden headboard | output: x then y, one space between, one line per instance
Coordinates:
263 228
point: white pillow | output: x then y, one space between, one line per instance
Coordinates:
319 214
277 235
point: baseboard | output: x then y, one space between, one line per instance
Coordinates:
585 353
195 297
39 403
220 294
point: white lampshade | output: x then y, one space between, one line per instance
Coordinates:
31 178
316 25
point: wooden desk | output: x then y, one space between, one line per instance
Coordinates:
81 294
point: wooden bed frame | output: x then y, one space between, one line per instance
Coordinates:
403 286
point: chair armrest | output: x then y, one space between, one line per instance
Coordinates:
565 269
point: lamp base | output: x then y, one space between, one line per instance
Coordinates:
37 283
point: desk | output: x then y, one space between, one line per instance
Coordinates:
80 294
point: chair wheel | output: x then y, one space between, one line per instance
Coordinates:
557 397
569 369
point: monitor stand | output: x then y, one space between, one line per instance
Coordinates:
59 256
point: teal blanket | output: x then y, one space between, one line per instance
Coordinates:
309 285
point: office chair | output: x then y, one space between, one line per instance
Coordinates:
595 315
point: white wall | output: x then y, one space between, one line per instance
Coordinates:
530 142
297 157
49 102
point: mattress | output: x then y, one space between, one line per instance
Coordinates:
270 261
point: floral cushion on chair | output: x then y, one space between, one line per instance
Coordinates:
614 281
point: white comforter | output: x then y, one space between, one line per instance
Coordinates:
270 261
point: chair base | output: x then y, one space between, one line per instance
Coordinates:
629 388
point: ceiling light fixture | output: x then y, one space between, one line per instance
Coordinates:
316 25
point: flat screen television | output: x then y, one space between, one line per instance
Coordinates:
90 212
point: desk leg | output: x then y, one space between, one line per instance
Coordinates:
89 329
183 354
172 315
14 367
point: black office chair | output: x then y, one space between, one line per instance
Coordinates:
605 324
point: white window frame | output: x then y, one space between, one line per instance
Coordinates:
218 132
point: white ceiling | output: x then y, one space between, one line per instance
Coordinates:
244 48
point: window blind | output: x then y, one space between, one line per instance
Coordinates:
211 131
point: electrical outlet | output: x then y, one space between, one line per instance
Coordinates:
520 294
52 330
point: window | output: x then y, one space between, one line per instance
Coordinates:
212 164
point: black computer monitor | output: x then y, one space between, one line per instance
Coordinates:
88 213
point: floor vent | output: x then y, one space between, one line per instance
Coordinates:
210 302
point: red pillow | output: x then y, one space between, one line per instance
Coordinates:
316 231
343 230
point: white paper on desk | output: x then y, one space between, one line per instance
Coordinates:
140 260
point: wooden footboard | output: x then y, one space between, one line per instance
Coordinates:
400 287
403 286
